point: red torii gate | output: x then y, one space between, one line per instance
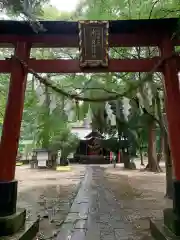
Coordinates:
130 33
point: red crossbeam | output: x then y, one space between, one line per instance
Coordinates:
72 66
71 41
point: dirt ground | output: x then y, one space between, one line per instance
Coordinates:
141 194
47 194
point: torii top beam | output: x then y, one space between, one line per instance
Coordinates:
125 33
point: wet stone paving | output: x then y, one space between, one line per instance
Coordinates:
96 214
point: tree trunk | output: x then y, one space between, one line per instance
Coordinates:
126 159
141 156
119 138
160 153
159 113
45 141
152 157
169 168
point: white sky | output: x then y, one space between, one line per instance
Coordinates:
65 5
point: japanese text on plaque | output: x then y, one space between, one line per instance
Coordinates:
96 40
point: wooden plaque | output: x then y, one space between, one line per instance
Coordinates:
93 43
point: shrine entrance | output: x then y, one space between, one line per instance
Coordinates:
94 39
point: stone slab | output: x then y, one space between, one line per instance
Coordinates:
73 217
81 224
78 234
65 234
28 232
172 221
160 232
11 224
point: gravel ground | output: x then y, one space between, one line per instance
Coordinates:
48 194
141 195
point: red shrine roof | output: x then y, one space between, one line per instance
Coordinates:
168 25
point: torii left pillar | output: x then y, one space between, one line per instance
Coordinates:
10 137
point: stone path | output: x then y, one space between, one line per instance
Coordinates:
96 214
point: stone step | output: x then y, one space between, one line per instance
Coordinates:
28 232
160 232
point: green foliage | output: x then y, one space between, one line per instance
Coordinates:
4 84
64 141
52 13
115 9
16 7
111 144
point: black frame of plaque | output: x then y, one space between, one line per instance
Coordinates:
86 40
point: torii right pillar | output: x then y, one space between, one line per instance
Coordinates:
170 227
